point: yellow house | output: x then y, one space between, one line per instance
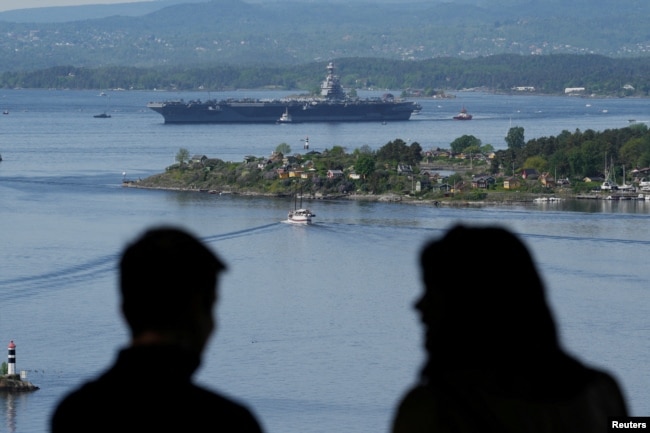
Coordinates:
511 183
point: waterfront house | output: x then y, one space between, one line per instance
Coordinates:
511 183
354 176
483 182
547 180
332 174
198 159
282 173
529 173
404 169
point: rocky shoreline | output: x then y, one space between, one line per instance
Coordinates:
492 198
13 383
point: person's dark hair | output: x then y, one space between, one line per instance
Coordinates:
159 272
484 300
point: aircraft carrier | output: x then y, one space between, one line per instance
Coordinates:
333 105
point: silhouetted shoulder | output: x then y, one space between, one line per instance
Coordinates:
465 403
96 408
418 412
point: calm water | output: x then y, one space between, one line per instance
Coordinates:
316 327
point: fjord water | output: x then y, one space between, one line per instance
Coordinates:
316 331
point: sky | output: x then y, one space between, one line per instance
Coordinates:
6 5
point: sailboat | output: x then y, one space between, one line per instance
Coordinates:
609 184
299 214
625 186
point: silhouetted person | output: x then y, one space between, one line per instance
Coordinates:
494 361
168 285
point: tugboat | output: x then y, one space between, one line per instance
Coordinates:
463 115
286 117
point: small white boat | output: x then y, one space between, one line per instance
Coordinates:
626 187
546 199
286 117
608 185
300 216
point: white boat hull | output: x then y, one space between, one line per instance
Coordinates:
300 216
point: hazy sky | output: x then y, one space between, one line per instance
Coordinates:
6 5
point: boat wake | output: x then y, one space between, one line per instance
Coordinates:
90 270
239 233
25 286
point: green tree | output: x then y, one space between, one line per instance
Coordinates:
636 152
363 149
182 156
537 162
393 152
460 144
365 165
515 138
487 148
471 151
415 154
283 148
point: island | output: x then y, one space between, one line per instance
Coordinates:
572 165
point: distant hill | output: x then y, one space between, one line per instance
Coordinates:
65 14
234 32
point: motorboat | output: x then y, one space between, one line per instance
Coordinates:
299 214
608 185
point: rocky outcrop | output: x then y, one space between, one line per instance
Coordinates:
13 383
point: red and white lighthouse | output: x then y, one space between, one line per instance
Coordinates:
11 361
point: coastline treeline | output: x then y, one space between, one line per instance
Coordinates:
583 158
579 154
550 74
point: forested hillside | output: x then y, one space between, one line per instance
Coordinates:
546 74
234 32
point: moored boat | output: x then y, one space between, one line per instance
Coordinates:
333 105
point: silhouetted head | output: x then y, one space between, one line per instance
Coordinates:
484 302
168 285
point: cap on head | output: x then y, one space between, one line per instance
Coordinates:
161 269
